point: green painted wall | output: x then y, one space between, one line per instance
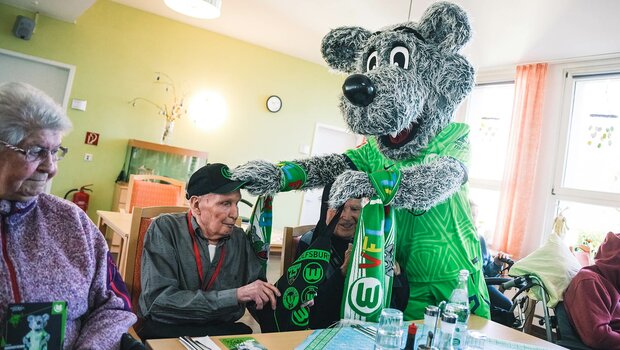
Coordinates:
116 50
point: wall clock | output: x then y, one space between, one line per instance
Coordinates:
274 103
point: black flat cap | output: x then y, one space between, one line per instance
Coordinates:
212 178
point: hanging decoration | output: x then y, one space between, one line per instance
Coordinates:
601 130
489 128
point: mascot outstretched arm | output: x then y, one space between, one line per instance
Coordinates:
405 83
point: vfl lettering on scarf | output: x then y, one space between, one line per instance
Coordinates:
369 276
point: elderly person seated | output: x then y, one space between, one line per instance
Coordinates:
199 270
592 299
325 311
51 251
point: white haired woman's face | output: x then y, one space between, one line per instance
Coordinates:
22 180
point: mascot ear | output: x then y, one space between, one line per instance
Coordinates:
446 25
341 47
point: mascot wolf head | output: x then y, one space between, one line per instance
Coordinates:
407 79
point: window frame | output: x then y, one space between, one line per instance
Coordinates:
558 191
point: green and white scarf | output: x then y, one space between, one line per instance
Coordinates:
371 268
259 231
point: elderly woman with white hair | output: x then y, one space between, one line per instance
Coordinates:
50 250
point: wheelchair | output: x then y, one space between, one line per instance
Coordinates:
555 320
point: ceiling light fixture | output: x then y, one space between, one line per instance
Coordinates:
206 9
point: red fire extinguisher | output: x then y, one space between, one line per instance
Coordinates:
80 197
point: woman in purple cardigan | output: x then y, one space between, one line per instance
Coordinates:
50 250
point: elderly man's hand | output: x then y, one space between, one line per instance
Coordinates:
259 292
501 258
347 257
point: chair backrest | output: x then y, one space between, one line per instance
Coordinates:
567 335
290 238
140 221
149 190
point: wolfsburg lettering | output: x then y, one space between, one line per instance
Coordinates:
315 254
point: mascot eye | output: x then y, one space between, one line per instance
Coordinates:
372 62
400 57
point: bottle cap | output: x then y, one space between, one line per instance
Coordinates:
412 329
464 273
431 310
448 317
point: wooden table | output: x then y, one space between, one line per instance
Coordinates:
120 227
289 340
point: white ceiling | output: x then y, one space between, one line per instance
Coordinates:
65 10
505 31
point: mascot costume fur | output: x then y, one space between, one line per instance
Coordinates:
405 84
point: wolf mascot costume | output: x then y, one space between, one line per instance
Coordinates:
406 81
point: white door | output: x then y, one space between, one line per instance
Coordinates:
53 78
327 139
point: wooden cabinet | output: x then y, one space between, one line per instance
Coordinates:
120 196
156 159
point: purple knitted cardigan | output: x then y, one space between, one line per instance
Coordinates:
52 251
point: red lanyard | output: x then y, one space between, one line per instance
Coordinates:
197 254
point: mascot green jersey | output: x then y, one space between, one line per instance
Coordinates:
433 245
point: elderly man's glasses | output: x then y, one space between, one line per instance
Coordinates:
38 153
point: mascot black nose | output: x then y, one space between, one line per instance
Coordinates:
359 90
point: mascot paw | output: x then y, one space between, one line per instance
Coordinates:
261 176
350 184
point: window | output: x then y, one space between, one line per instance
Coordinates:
489 114
587 175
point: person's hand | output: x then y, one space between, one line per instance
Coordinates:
500 258
347 257
260 292
309 303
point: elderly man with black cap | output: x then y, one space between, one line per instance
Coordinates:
199 269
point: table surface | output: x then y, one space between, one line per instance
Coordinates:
289 340
117 221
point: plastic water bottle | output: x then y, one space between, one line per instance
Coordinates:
459 305
430 320
448 324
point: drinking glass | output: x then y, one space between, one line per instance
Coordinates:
390 330
475 341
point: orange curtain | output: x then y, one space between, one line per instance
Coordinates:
521 165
